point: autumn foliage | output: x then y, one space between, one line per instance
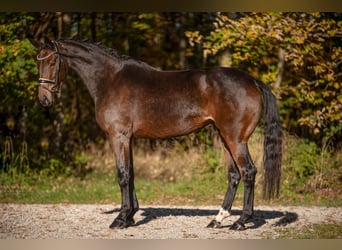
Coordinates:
297 54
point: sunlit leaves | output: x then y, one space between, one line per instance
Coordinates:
17 67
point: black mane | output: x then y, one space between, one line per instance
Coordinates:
105 49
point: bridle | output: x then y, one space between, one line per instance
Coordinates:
55 83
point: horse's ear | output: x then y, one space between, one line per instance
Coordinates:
48 42
35 43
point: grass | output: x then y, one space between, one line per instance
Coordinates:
102 187
312 231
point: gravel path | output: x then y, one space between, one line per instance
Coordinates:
156 222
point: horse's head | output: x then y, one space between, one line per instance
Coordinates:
51 69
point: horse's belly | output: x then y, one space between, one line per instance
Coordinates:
166 126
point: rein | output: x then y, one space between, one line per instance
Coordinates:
55 82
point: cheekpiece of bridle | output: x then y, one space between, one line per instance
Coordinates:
54 83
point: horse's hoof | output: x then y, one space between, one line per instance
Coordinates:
238 226
214 224
120 224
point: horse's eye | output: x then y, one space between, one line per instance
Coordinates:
52 64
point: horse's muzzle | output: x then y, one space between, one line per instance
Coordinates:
45 102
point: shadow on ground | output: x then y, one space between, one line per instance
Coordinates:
260 216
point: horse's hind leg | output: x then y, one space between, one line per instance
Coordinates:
248 173
234 180
245 169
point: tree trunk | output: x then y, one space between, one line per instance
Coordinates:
58 127
59 24
93 26
58 122
45 22
182 43
225 59
281 62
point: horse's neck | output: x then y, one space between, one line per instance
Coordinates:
88 66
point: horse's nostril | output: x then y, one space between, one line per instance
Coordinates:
45 101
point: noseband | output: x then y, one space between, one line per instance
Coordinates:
55 82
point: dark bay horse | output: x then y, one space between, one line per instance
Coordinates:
133 99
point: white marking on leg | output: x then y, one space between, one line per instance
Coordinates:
222 214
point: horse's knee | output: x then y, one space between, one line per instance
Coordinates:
234 178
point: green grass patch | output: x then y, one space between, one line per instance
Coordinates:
94 188
312 231
102 187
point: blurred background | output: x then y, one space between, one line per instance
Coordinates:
297 54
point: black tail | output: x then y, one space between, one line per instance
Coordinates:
272 143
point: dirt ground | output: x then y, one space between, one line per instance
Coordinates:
64 221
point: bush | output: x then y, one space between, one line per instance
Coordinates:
306 167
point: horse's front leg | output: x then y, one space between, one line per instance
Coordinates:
124 161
